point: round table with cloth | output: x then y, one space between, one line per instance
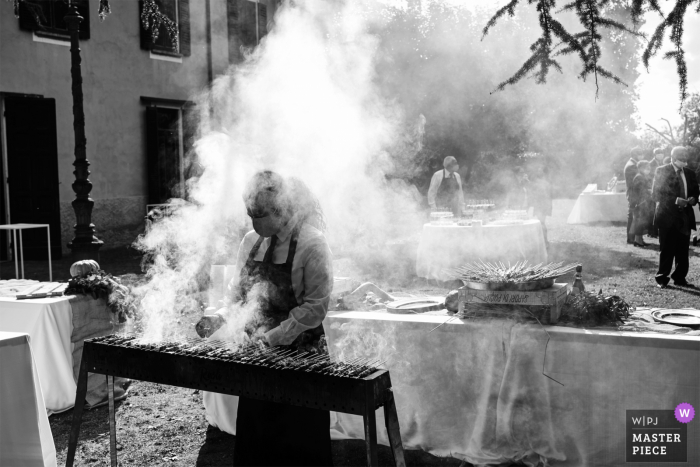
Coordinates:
447 246
599 207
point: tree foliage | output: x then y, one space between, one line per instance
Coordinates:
688 132
433 63
593 16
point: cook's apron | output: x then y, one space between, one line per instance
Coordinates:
269 433
448 193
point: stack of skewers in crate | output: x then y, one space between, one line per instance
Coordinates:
490 286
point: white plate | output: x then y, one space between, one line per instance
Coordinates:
678 317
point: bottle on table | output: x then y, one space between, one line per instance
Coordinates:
578 286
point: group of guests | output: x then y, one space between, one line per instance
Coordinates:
661 194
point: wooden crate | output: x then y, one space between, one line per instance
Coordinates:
553 298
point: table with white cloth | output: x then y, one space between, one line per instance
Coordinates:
25 433
49 322
599 207
447 246
476 389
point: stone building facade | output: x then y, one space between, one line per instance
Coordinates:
136 96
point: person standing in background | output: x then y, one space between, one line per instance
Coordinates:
630 172
540 195
446 187
658 160
675 190
640 198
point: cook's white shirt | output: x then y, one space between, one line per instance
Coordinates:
312 278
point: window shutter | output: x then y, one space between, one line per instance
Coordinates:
247 30
262 19
191 166
152 155
233 17
184 27
84 10
145 34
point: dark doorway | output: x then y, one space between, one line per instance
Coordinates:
32 172
164 148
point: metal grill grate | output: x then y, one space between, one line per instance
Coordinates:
270 374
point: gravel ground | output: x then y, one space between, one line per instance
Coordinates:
163 425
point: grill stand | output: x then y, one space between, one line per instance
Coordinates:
369 417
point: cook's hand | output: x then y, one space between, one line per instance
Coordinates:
692 201
208 324
258 339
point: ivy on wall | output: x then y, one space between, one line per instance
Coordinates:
151 18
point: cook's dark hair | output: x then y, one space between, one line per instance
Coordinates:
269 192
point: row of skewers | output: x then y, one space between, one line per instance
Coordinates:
519 272
251 353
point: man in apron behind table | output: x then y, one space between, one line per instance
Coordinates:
282 293
446 188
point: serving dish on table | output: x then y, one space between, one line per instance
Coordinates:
677 317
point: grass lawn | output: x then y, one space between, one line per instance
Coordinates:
162 425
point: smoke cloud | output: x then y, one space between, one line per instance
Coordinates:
362 100
304 103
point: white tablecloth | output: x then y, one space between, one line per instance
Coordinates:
448 246
25 433
599 207
475 389
49 323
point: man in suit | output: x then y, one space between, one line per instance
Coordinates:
658 159
675 191
630 172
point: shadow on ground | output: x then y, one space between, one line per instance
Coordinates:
217 451
598 261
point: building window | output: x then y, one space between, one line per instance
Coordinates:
45 18
247 25
177 11
169 140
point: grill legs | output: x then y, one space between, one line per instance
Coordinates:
112 422
80 393
391 419
371 438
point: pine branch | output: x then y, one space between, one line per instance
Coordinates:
509 8
674 20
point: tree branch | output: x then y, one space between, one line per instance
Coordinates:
670 130
663 135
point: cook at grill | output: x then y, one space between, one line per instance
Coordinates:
287 272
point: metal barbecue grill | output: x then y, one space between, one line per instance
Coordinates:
270 374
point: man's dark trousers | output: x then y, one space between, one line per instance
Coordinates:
630 219
674 245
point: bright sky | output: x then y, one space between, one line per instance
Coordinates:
658 88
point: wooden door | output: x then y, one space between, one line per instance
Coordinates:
32 172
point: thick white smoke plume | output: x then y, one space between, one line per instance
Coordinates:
304 103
